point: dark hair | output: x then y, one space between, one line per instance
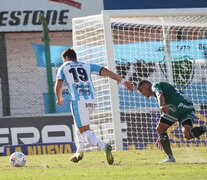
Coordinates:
142 82
70 53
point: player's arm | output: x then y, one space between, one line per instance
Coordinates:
161 101
116 77
58 92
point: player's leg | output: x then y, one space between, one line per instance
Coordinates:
91 105
82 114
187 121
80 148
80 140
198 131
190 132
164 139
85 108
94 141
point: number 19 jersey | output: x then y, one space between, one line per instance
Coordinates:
77 76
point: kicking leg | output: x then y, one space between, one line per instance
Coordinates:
93 140
189 132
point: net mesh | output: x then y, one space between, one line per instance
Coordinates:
27 79
89 44
169 49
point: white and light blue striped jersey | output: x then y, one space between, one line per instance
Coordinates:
77 76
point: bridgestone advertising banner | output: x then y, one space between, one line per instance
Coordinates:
23 15
32 130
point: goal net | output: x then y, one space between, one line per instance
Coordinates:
163 45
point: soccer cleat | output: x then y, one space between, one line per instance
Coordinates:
77 157
169 160
109 156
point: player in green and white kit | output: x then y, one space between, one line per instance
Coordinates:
174 106
180 108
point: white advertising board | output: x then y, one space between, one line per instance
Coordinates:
23 15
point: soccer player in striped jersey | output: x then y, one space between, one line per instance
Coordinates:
77 76
174 106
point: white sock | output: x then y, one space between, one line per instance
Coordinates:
80 142
101 145
93 140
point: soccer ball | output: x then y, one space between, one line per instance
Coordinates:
17 159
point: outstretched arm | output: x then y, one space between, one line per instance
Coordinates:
116 77
58 92
161 101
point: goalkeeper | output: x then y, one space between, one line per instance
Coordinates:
174 107
77 76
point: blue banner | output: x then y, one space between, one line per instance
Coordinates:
154 51
188 57
56 62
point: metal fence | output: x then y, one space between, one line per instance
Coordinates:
23 79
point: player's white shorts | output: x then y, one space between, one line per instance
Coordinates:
81 111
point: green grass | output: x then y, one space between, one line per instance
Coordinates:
135 164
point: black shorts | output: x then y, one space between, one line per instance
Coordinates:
187 122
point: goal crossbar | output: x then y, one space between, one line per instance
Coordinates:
156 12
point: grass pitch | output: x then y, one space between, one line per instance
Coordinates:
134 164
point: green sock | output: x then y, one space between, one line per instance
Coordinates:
197 131
165 142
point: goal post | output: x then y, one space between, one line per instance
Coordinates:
113 86
157 45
